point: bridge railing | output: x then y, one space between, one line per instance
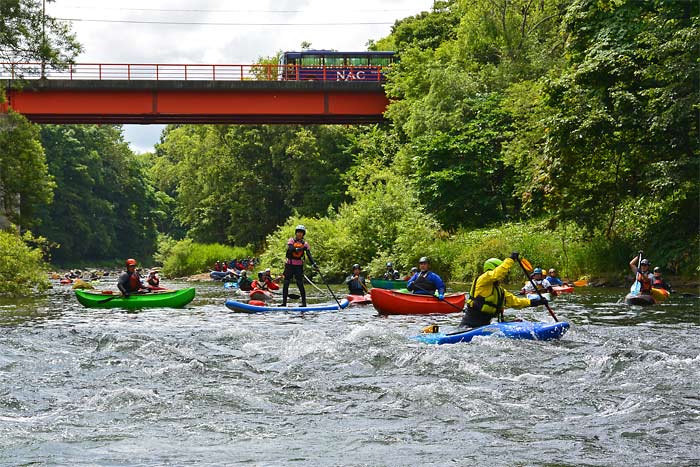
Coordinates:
189 72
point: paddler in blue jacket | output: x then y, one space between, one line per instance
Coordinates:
426 282
488 298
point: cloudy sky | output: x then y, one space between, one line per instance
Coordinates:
234 31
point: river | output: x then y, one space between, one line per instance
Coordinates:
203 386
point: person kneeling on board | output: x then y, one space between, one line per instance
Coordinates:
488 298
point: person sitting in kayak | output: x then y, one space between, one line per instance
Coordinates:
130 281
659 282
642 274
153 281
488 298
244 283
224 266
294 266
553 279
217 267
272 283
355 281
410 274
391 274
541 283
426 282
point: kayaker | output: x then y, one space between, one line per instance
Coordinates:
130 281
487 297
659 282
294 266
391 274
244 283
273 282
642 274
553 279
153 281
355 281
542 284
410 274
217 267
264 282
224 266
426 282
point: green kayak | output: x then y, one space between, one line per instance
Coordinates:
159 299
386 284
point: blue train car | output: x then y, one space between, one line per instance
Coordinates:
330 65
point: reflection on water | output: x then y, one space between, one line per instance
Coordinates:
204 386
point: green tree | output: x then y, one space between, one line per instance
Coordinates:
25 182
103 206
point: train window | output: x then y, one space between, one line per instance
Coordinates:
380 60
312 60
357 61
334 61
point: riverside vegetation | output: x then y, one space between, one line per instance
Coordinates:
564 129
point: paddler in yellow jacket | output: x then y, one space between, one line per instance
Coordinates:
488 298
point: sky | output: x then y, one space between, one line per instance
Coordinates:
132 31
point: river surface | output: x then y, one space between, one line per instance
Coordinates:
202 386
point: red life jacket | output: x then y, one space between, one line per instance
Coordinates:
646 283
298 254
134 282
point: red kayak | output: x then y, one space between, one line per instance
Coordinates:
560 289
391 302
260 294
359 299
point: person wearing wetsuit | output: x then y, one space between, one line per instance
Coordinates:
294 266
130 281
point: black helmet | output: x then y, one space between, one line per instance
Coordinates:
657 269
424 259
645 261
355 266
389 265
414 269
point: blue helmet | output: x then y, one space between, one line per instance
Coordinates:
537 271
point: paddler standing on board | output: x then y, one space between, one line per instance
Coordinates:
488 298
294 266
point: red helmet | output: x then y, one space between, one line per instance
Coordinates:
131 262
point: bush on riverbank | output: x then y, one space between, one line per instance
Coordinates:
22 268
338 240
186 257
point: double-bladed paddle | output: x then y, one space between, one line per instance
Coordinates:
527 274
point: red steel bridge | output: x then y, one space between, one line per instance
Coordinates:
179 93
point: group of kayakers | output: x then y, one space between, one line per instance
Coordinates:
130 281
236 265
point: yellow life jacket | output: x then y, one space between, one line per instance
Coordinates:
493 304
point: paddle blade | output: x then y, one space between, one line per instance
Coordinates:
526 264
636 287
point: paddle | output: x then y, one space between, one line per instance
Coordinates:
637 286
433 295
527 274
315 286
329 288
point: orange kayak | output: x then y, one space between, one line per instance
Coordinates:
391 302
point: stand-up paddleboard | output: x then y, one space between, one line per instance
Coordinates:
241 307
528 330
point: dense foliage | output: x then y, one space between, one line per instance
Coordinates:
22 268
104 207
186 257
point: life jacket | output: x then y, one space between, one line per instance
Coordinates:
154 281
134 282
493 304
645 281
423 285
298 254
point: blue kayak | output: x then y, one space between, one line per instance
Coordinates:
512 329
242 307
